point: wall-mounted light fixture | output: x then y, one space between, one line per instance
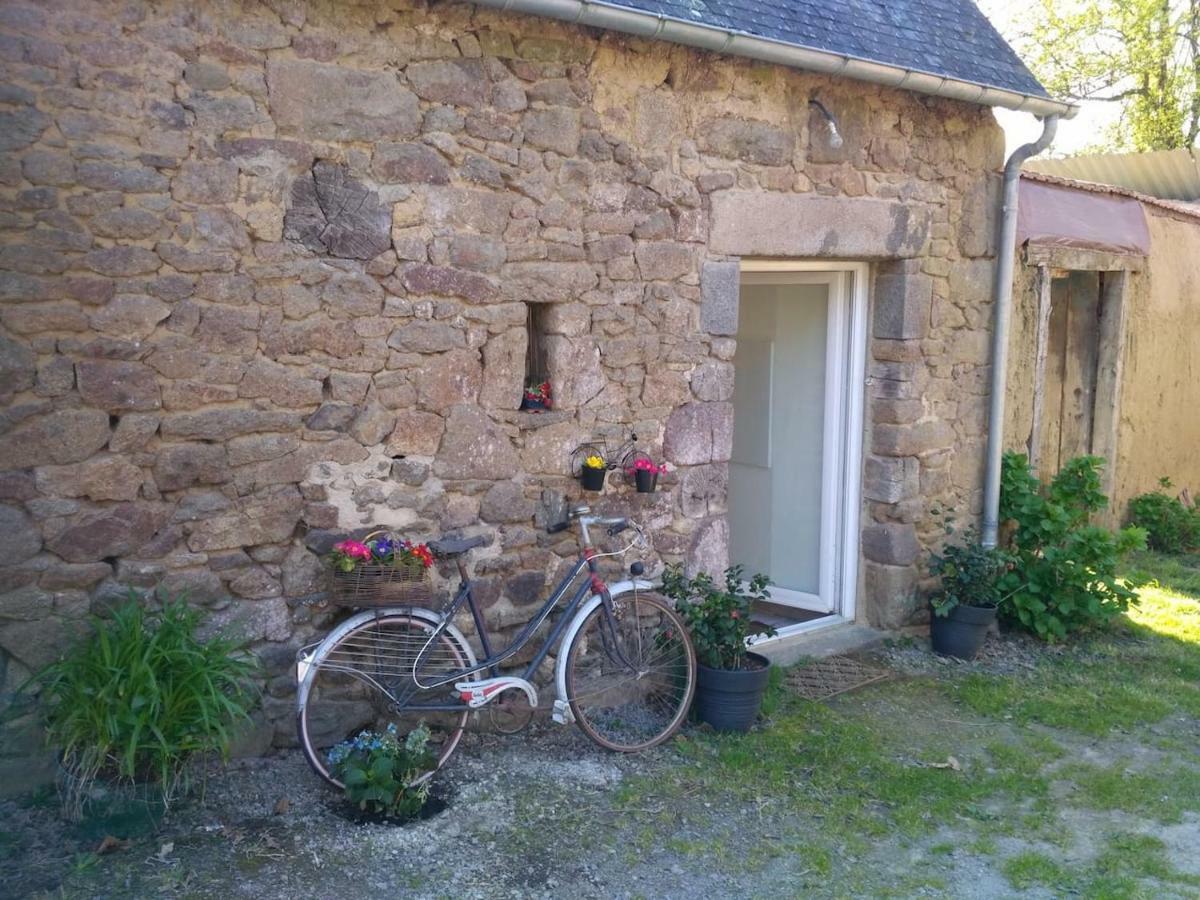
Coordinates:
835 136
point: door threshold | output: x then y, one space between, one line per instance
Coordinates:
827 621
829 636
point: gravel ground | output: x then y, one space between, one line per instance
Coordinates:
547 814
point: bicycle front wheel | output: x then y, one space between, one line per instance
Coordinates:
365 681
631 676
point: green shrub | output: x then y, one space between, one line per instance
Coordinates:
1171 526
1065 575
141 697
379 771
719 619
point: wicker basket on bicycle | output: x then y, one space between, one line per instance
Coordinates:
380 584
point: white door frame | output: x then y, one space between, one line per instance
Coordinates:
844 396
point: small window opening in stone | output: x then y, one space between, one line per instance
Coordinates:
538 392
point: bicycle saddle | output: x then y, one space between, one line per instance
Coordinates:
454 546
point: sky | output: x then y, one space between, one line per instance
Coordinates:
1020 128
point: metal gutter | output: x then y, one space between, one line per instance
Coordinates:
601 14
1005 253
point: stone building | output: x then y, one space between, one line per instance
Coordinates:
271 271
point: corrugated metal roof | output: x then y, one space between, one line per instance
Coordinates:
1192 210
1166 174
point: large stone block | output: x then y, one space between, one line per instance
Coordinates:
338 103
115 531
754 223
65 436
449 379
709 549
547 282
183 465
19 536
911 440
698 433
117 386
663 260
504 370
891 543
891 596
574 368
903 301
408 163
720 287
132 316
416 433
747 140
555 128
100 478
460 82
891 479
473 447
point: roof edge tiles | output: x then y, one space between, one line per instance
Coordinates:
720 39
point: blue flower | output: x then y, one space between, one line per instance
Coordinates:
383 548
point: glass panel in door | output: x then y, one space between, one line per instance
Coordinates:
775 474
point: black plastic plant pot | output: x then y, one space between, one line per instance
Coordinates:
963 632
646 481
533 404
729 699
592 479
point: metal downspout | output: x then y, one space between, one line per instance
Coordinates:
1005 254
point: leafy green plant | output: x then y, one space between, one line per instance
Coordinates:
379 770
719 619
1171 525
141 697
970 574
1065 572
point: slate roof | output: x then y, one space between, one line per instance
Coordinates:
940 37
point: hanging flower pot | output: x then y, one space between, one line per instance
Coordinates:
592 472
643 472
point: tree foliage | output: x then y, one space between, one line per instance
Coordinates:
1141 54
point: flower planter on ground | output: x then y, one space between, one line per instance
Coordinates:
729 699
730 680
962 632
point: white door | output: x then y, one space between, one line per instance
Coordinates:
795 418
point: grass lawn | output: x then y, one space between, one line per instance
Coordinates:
1035 772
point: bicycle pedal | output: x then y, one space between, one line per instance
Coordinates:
480 693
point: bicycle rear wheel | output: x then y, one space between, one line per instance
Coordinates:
630 686
365 681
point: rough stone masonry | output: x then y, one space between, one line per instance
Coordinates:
265 270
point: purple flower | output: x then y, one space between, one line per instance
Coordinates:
383 548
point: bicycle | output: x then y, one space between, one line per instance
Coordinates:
625 671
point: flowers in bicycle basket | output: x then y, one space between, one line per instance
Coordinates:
378 769
387 551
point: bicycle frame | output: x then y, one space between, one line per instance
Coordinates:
492 659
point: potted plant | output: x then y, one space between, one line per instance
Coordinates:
383 775
592 472
645 472
731 680
536 396
136 702
965 605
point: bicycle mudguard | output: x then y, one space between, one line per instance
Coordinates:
428 616
562 709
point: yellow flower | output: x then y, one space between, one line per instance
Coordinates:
594 462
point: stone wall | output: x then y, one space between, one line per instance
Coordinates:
265 275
